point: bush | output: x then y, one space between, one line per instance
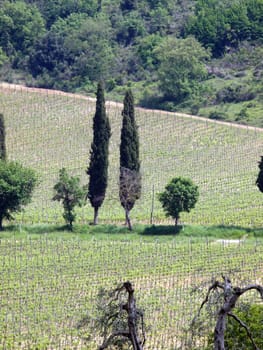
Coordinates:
236 337
16 187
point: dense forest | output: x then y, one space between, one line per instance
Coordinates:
198 56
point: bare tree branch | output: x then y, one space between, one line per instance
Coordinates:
108 341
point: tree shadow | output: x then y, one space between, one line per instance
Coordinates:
237 230
162 230
36 229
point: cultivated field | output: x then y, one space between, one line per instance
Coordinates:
48 286
48 131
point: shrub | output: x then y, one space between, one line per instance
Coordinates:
16 187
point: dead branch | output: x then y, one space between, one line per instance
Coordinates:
246 328
132 319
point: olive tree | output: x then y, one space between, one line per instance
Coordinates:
180 194
16 188
70 193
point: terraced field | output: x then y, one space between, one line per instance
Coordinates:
48 131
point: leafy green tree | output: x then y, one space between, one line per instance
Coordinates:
53 10
21 25
130 179
70 193
259 181
98 167
220 24
180 195
2 138
16 187
75 52
181 68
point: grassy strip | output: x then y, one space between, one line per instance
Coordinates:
140 232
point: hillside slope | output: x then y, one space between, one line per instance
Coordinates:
49 130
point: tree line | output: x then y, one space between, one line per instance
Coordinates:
72 44
17 182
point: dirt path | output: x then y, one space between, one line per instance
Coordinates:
17 87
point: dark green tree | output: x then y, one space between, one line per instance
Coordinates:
16 187
98 166
181 68
130 179
69 192
2 138
259 181
180 195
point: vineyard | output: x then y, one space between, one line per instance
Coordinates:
47 131
49 286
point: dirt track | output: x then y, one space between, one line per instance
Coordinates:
17 87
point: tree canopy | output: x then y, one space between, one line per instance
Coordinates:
181 68
180 195
259 180
98 166
69 192
16 188
130 179
71 45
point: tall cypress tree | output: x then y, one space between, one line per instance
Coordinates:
130 179
259 181
98 166
2 138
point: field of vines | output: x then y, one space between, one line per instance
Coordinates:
49 130
49 286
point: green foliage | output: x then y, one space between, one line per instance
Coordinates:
98 167
236 337
130 178
68 191
3 57
259 180
218 24
180 195
72 44
21 25
2 138
181 67
16 188
77 49
129 146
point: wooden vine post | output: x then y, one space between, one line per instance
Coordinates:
231 296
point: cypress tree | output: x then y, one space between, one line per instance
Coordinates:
259 181
2 138
129 147
130 179
98 166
